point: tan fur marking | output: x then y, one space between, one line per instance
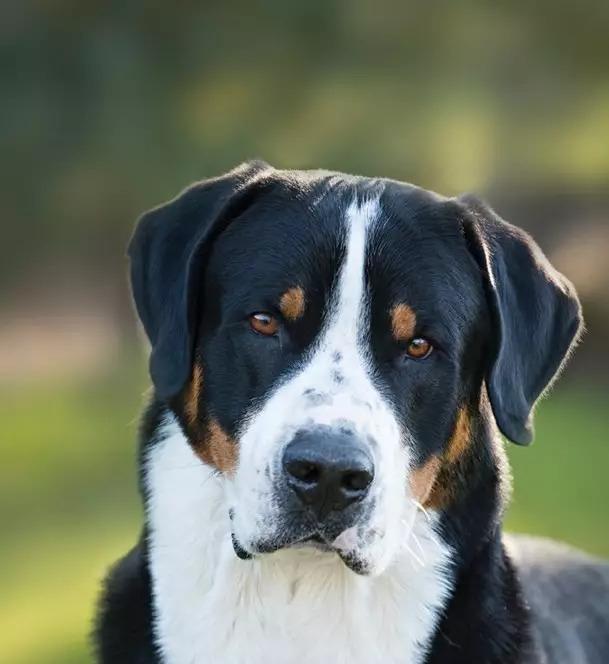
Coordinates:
292 303
191 401
442 492
218 448
403 322
422 479
460 439
451 469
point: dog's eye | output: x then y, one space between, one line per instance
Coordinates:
264 323
418 348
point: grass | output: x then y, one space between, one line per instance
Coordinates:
69 506
560 482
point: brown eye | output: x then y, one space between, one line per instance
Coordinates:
264 323
418 348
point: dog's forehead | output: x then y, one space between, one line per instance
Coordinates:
296 231
417 254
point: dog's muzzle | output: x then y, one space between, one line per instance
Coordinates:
321 492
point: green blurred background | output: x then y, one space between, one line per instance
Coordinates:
109 108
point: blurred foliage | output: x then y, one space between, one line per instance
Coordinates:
110 107
68 505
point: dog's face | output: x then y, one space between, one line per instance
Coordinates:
324 341
331 350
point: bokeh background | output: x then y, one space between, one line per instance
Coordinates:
108 108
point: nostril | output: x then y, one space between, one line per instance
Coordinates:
356 480
305 471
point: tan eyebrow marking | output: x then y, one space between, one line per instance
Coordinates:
218 448
292 303
403 322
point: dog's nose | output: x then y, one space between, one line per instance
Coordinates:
328 470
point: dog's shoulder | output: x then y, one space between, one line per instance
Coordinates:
124 618
566 591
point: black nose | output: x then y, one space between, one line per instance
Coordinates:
327 469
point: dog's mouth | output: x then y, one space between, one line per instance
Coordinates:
315 541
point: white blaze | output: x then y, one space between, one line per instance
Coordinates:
332 388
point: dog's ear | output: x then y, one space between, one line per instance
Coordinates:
167 251
535 313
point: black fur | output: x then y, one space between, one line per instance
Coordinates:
501 320
536 317
123 633
166 254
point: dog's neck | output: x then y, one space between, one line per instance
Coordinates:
298 604
486 618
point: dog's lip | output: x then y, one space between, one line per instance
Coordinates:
356 565
240 552
315 541
310 541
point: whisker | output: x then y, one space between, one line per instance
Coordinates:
414 556
420 507
418 543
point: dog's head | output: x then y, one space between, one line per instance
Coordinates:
327 343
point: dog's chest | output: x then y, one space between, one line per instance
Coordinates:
289 607
273 612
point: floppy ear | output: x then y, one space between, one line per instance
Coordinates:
535 311
166 253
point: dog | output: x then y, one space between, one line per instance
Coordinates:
333 360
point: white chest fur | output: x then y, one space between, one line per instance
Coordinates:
288 607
